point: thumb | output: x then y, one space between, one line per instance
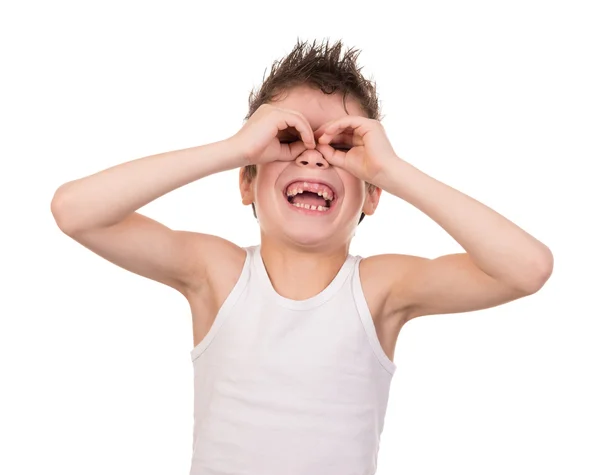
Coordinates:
292 151
334 157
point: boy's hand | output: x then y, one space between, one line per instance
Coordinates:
356 144
271 134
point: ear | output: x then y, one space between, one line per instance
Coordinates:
371 201
246 188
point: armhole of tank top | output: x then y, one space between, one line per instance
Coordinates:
225 309
367 319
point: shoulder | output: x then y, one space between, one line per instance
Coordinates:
218 261
452 283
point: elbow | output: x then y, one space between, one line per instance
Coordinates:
540 271
60 210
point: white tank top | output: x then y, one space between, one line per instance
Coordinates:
290 387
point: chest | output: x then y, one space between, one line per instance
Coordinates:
206 302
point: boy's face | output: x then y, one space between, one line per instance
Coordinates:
280 219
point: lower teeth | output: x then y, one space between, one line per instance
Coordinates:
311 207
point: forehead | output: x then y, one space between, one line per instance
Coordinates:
317 106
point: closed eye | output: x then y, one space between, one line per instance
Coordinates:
339 146
336 146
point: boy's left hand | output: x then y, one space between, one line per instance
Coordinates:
358 145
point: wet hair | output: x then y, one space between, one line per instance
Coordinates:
321 66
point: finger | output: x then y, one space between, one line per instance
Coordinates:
345 125
344 140
322 128
295 149
348 121
290 151
308 128
300 123
333 157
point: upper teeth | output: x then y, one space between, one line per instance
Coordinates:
295 191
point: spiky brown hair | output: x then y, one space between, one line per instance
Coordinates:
322 66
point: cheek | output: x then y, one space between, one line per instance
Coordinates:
269 172
354 189
265 182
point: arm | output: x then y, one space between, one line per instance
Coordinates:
99 211
502 262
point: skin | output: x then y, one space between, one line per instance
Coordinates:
302 254
299 254
502 263
302 259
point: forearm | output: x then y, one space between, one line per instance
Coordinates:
107 197
496 245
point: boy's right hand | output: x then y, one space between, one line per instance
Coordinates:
272 133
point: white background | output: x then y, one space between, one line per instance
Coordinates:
497 99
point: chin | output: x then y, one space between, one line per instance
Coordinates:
307 237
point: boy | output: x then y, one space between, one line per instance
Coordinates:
294 338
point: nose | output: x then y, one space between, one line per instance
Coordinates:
312 158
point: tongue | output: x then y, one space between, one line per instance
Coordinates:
310 199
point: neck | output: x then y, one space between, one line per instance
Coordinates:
299 273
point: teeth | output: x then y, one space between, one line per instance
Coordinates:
311 207
297 191
325 195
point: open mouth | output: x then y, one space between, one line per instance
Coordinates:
310 196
